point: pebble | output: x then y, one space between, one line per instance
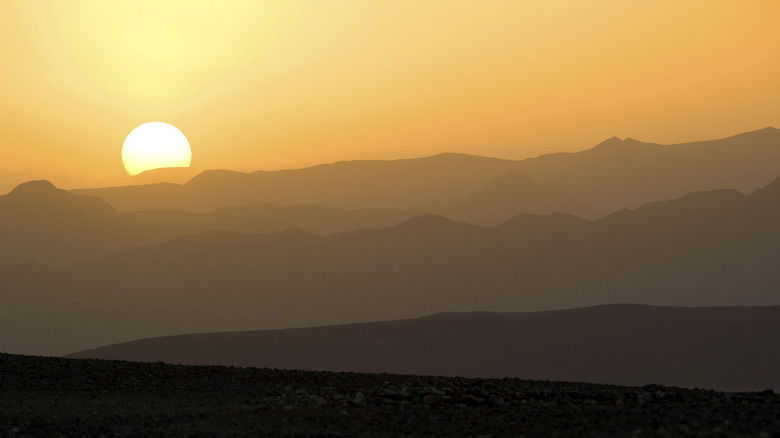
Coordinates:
645 397
359 399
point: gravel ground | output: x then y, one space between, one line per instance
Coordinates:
51 397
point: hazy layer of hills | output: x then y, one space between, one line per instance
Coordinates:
342 245
728 348
39 223
42 224
614 174
509 195
708 248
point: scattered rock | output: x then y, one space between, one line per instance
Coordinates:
430 399
76 397
359 399
645 397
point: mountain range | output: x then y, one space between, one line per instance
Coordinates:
37 222
703 249
78 272
42 224
614 174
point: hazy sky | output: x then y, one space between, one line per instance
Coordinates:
279 84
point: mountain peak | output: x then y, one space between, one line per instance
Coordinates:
615 143
176 175
769 133
770 190
610 141
34 189
44 199
217 177
426 223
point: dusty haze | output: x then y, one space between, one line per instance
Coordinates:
277 85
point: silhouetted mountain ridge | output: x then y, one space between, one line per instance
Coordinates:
425 222
615 144
730 348
704 249
511 194
41 223
217 177
44 196
34 189
175 175
612 175
771 190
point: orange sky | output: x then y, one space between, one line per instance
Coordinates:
279 84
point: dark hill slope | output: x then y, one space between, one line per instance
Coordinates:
731 348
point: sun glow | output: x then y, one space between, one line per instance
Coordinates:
155 145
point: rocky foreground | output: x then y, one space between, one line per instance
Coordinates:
42 396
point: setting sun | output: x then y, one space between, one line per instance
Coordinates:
570 205
288 84
155 145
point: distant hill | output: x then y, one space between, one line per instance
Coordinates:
663 252
628 173
703 249
40 223
177 175
263 218
612 175
514 194
400 184
727 348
